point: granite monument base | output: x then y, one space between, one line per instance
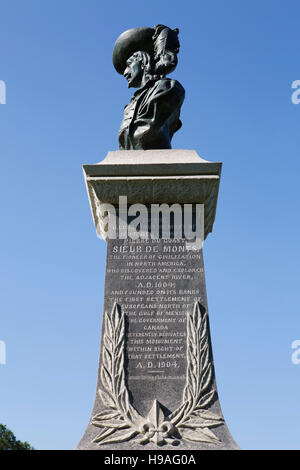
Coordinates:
156 383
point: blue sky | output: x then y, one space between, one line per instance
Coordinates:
237 62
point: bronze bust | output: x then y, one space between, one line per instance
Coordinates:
144 56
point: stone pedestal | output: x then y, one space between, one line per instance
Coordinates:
156 383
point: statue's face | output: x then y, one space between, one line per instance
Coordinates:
134 71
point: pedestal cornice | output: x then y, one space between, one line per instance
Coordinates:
153 177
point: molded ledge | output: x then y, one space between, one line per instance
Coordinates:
153 177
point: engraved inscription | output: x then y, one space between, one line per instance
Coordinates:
163 287
191 421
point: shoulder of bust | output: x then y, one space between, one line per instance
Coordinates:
167 83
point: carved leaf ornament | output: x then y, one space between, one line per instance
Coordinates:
191 421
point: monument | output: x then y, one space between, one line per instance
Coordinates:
156 383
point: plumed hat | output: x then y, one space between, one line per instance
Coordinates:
133 40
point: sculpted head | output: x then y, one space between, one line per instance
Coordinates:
144 53
138 69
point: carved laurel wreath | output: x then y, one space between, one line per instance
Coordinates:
191 421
